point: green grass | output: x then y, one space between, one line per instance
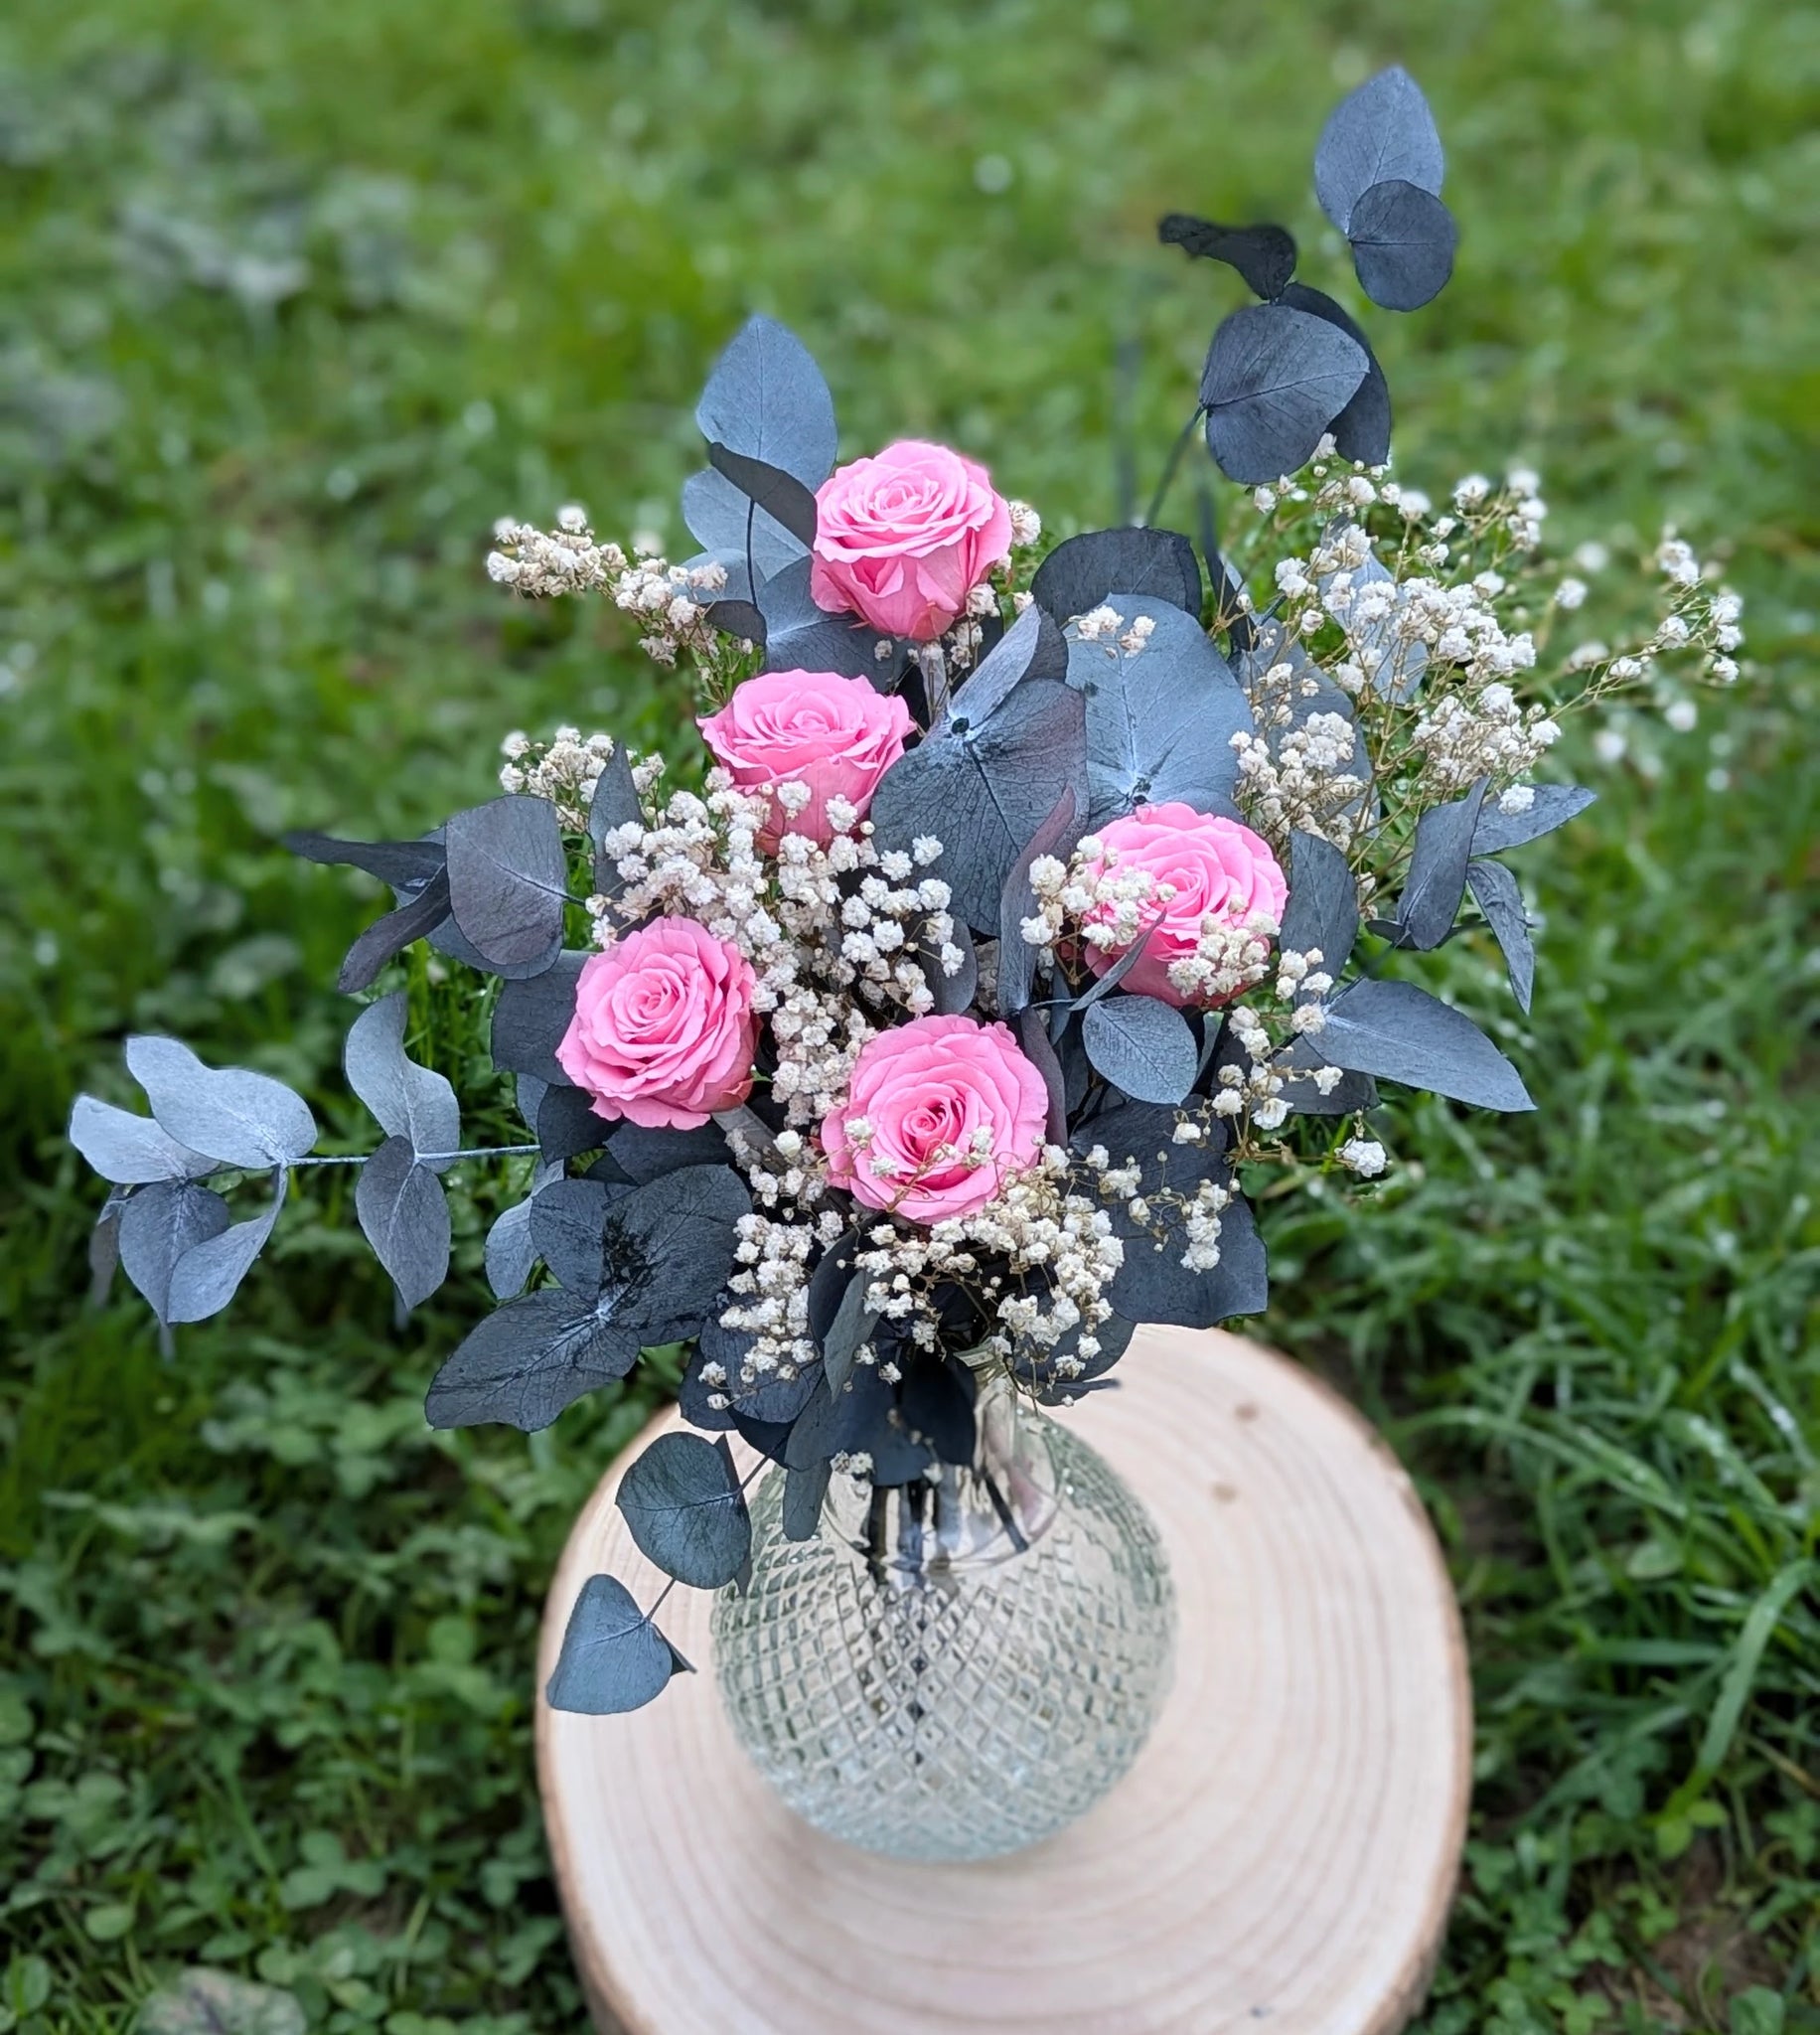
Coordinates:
264 1687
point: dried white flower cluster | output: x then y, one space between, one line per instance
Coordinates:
563 771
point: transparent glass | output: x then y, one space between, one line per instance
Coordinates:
959 1672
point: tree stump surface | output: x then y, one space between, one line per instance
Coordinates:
1280 1858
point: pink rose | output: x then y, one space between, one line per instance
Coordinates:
664 1029
1217 870
904 537
921 1097
837 737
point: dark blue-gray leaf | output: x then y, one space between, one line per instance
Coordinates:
530 1018
955 993
568 1222
982 788
510 1251
507 876
1297 1062
1142 1047
1275 381
613 805
780 495
1381 132
685 1510
1437 880
800 636
1039 1049
721 519
1323 913
853 1322
1286 689
1495 890
1398 1033
1394 662
643 1153
130 1149
1553 805
936 1405
405 1215
1161 718
1056 836
423 914
1031 648
670 1250
567 1124
613 1658
1403 243
409 1101
766 398
804 1493
405 864
1361 432
529 1360
159 1225
240 1118
1083 571
1264 255
208 1275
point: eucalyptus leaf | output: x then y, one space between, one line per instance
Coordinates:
207 1276
670 1248
805 1492
982 787
510 1252
1273 382
1361 432
568 1226
1283 704
613 1658
1383 132
645 1154
159 1225
780 495
1031 648
1552 806
767 398
953 993
408 1100
1056 836
131 1151
416 920
683 1503
1142 1047
243 1119
1398 1033
1395 664
530 1018
799 634
405 1215
405 864
1160 716
615 804
529 1360
1436 880
508 878
721 518
568 1124
1083 572
1265 255
1403 241
1323 913
1038 1048
1495 890
936 1405
853 1322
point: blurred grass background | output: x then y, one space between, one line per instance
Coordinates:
293 301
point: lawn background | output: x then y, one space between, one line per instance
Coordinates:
294 299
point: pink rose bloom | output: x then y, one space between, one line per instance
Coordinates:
1218 870
904 537
664 1029
837 737
927 1090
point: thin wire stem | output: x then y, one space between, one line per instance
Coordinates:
1170 466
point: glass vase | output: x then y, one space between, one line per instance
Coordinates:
960 1669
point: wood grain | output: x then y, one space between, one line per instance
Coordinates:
1281 1856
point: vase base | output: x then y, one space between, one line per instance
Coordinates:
1281 1853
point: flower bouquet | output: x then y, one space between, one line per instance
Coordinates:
1023 906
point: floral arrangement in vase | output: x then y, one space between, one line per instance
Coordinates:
1022 906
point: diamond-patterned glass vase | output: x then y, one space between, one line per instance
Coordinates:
960 1673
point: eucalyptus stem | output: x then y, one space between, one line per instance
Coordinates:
427 1158
1173 461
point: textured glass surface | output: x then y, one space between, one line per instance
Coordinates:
966 1705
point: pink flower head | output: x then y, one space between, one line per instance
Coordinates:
938 1113
1217 870
835 737
903 539
664 1029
